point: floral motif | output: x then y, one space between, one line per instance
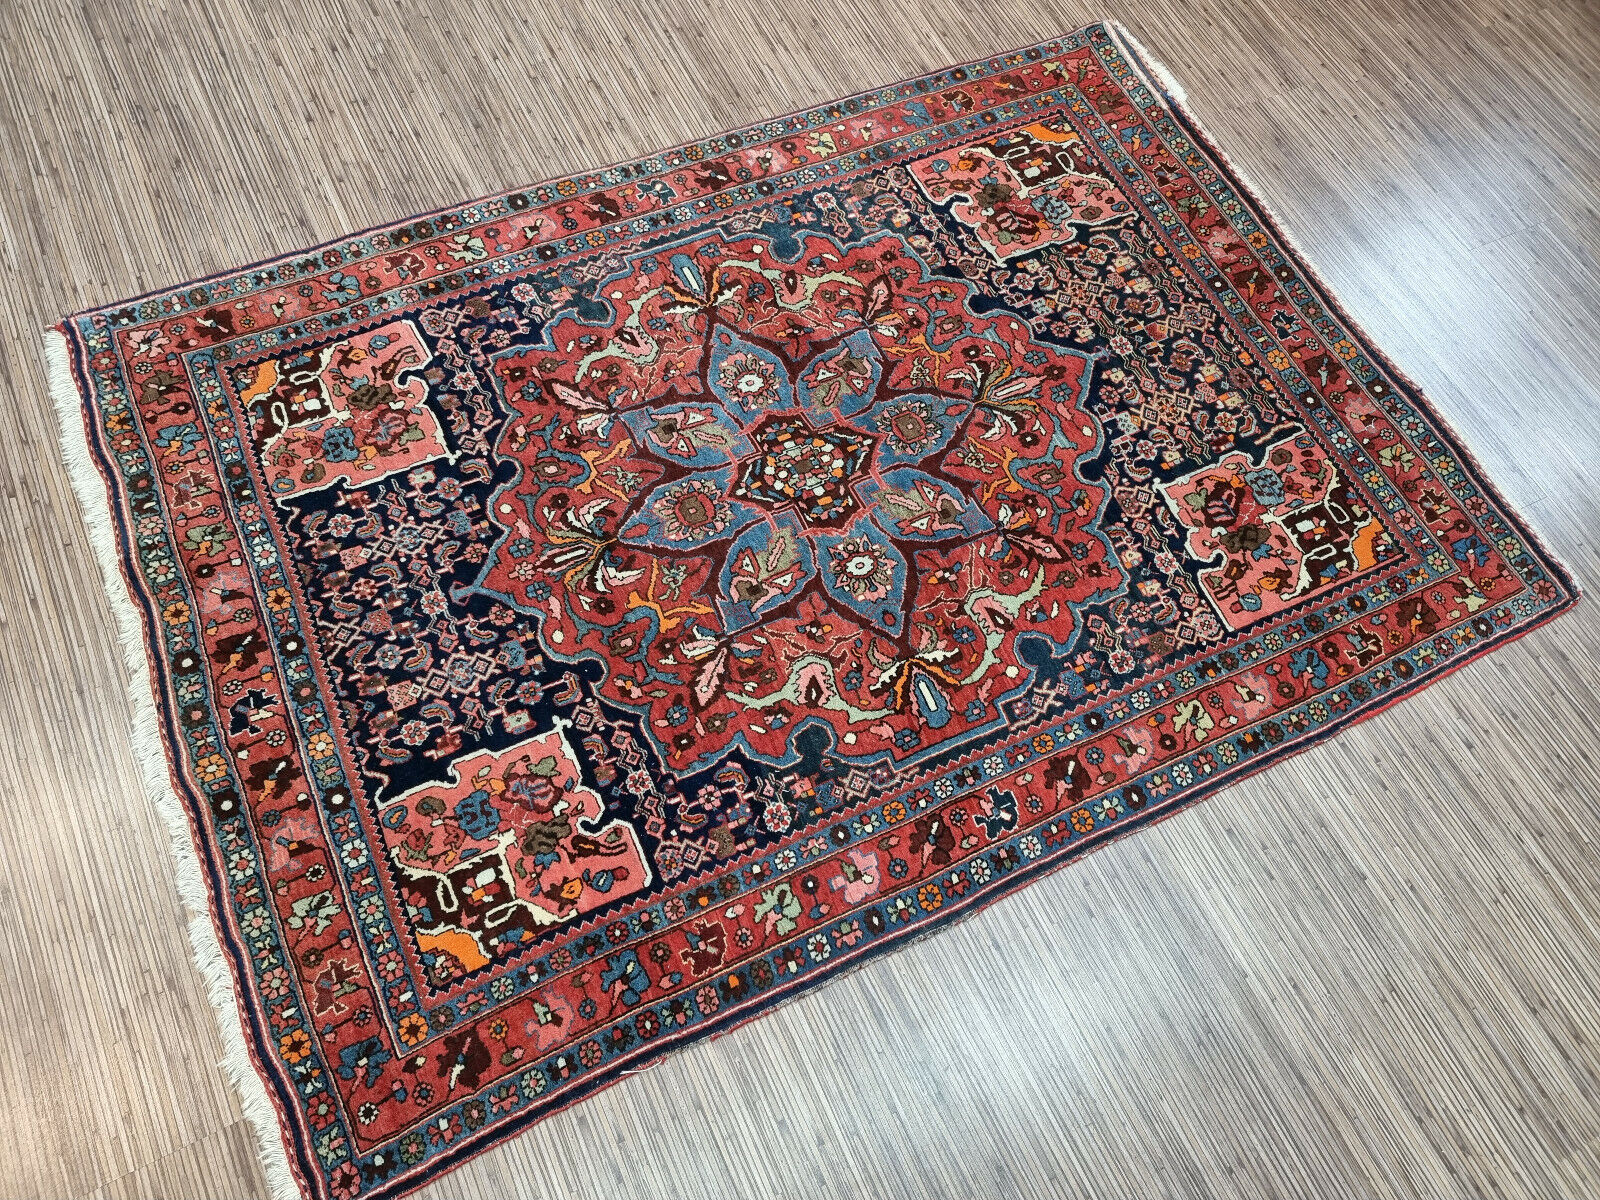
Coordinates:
692 510
752 379
862 568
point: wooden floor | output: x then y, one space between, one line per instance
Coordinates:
1393 990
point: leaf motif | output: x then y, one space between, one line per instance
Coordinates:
878 297
1036 545
709 678
570 395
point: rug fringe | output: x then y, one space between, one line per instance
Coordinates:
150 754
1149 63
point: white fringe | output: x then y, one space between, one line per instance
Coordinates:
1142 60
151 756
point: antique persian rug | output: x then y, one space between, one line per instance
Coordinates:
580 619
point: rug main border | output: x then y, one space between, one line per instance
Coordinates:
275 1133
103 527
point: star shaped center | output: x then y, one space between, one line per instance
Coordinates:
805 470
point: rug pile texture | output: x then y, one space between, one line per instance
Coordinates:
580 619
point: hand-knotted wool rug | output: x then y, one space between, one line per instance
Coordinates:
580 619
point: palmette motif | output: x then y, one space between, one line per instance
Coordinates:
586 616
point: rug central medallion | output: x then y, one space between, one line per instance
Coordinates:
779 488
804 470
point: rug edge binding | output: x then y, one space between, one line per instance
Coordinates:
149 752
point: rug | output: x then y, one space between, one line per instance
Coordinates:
580 619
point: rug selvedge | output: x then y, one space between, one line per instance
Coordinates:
586 616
